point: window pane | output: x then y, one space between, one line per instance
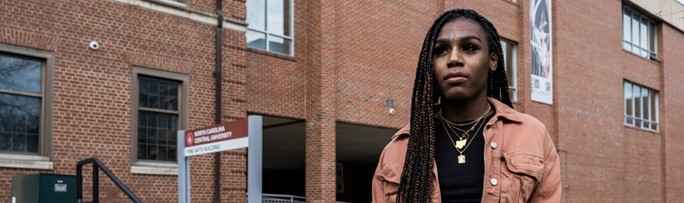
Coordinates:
628 99
169 95
256 16
637 105
652 38
654 112
279 45
653 108
156 136
505 55
256 40
626 28
645 102
278 12
158 93
644 39
635 33
20 73
19 123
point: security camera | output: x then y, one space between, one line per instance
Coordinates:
94 45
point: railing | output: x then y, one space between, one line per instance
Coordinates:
278 198
97 166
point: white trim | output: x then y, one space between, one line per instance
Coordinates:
217 147
514 68
25 161
176 11
154 168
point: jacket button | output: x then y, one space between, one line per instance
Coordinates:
493 181
493 145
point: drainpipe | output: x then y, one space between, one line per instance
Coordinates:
218 74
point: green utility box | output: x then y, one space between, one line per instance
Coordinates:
44 188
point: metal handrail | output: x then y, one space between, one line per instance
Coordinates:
283 198
97 166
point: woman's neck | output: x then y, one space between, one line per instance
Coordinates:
465 110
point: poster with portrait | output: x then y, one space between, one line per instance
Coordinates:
541 51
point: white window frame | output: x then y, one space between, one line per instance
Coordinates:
269 35
514 67
650 51
171 3
654 116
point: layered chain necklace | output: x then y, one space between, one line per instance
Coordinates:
465 139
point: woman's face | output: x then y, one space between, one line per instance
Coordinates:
461 60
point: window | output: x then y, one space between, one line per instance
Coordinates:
270 25
21 103
510 56
641 106
159 115
639 33
171 2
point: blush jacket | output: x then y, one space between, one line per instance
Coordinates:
521 162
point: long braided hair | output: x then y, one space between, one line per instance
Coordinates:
416 178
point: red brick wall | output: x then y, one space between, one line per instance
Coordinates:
92 106
377 47
671 112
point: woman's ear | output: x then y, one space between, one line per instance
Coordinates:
493 60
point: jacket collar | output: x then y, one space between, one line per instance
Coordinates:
501 111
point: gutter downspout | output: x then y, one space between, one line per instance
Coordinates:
218 74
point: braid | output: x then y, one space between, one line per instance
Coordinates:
416 178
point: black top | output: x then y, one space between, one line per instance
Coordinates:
460 182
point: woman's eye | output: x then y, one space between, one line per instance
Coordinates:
440 50
469 48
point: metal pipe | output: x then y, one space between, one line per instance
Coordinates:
96 184
218 74
79 182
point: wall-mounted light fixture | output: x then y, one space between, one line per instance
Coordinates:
94 45
389 105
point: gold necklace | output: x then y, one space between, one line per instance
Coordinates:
461 157
464 141
464 134
451 123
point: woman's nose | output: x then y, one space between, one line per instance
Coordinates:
455 59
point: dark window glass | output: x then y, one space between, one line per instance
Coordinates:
19 123
20 103
158 118
158 93
20 74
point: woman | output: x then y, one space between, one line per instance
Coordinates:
464 142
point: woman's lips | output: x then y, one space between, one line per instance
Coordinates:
457 77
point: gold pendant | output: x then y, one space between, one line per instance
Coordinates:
461 143
461 159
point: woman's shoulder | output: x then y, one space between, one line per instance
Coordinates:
398 143
392 157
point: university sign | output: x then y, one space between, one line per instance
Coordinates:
222 137
216 138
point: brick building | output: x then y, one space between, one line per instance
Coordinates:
332 80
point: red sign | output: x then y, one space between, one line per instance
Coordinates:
215 138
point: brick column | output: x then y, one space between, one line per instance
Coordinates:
320 125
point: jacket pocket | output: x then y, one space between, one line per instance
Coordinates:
523 172
390 184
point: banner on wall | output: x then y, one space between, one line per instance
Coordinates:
541 48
